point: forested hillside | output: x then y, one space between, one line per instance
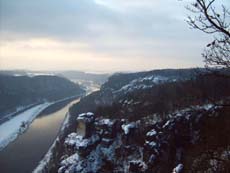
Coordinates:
20 91
159 91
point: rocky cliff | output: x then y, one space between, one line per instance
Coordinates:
158 121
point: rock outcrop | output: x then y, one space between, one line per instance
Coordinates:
139 146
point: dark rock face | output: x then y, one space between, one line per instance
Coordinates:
135 147
85 123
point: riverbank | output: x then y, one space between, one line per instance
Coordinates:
43 165
25 153
11 129
17 112
47 164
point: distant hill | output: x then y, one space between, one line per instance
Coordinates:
152 91
20 91
78 75
71 75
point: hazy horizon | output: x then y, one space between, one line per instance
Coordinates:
92 72
98 35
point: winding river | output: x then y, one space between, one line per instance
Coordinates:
24 154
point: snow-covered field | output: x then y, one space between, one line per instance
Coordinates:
18 124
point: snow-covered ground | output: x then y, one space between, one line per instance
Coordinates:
18 124
19 109
10 129
145 83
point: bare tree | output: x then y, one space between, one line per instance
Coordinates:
214 20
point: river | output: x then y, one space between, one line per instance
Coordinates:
24 154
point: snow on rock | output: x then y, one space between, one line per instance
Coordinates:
86 117
168 124
206 107
124 152
151 144
178 168
18 124
107 122
126 127
91 162
70 160
151 133
145 82
68 163
79 141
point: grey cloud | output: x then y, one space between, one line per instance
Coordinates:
60 19
83 19
137 27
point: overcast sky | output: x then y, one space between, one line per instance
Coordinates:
97 35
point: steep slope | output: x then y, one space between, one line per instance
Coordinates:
191 140
148 122
161 91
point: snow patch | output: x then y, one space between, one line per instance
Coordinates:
79 141
86 117
145 82
178 168
12 128
107 122
126 128
151 133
